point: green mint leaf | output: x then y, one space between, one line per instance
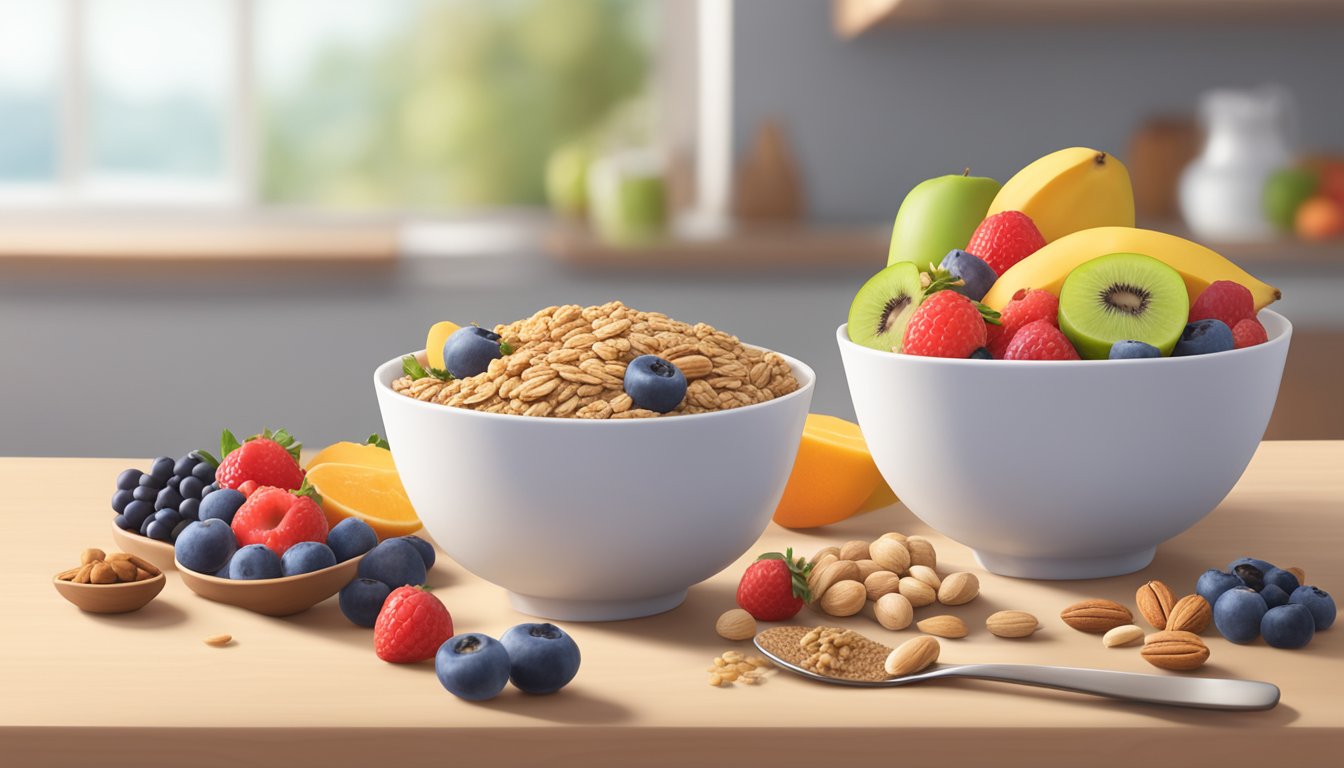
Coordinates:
205 456
378 440
411 367
505 348
228 444
440 374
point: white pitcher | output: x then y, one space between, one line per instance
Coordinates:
1249 135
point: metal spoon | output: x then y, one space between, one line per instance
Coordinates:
1199 692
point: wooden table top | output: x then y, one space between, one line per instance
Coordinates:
143 689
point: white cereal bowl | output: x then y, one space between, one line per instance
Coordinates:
1065 470
585 520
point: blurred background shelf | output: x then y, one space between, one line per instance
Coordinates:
857 17
748 249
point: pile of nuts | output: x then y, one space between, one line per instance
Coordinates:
98 567
733 667
1175 646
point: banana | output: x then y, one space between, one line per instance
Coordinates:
1199 266
1072 189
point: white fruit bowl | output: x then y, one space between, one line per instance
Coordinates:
1065 470
585 520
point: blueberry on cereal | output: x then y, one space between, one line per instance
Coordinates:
654 384
469 351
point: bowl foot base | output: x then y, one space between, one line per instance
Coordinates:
1065 567
594 610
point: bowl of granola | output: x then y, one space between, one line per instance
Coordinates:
542 476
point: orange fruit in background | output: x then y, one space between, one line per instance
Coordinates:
374 495
359 454
1320 218
832 478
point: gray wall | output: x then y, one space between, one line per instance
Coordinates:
872 117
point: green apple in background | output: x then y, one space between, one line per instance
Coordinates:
938 215
1285 191
567 178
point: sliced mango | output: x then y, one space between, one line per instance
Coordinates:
375 496
438 333
353 453
832 477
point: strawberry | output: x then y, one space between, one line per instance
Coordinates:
946 324
1004 239
1026 306
271 458
774 587
279 519
249 487
1223 300
411 626
1040 340
1248 333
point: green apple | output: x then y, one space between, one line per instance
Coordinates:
938 215
1285 191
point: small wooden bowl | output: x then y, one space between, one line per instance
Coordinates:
111 598
160 553
273 597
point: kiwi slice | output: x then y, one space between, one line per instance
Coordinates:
883 307
1122 296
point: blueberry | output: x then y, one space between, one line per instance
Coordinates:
190 509
123 523
150 481
1288 626
1318 601
981 354
183 466
655 384
168 515
222 505
1262 565
543 657
1250 576
179 528
306 557
209 489
351 537
159 530
1282 579
469 350
168 498
145 493
144 525
255 561
162 469
473 666
190 487
1237 614
425 549
1203 337
1133 350
206 546
120 499
137 512
973 271
223 572
1273 595
203 472
362 599
394 562
129 479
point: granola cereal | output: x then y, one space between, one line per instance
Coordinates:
569 362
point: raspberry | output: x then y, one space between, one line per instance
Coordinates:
947 324
1004 239
279 519
1223 300
1025 307
1248 333
1040 340
411 626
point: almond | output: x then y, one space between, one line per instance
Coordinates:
893 611
82 577
854 550
1299 573
124 569
891 555
92 555
867 568
844 598
1011 624
1126 634
917 592
142 563
141 574
102 573
824 551
943 626
1096 616
825 559
881 583
1155 601
219 641
958 588
736 624
894 535
921 551
927 575
1175 650
1190 614
914 655
821 579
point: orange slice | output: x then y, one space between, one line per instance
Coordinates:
832 477
375 496
438 334
353 453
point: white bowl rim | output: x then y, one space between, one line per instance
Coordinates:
807 381
1281 338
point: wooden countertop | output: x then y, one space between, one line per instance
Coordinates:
143 689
